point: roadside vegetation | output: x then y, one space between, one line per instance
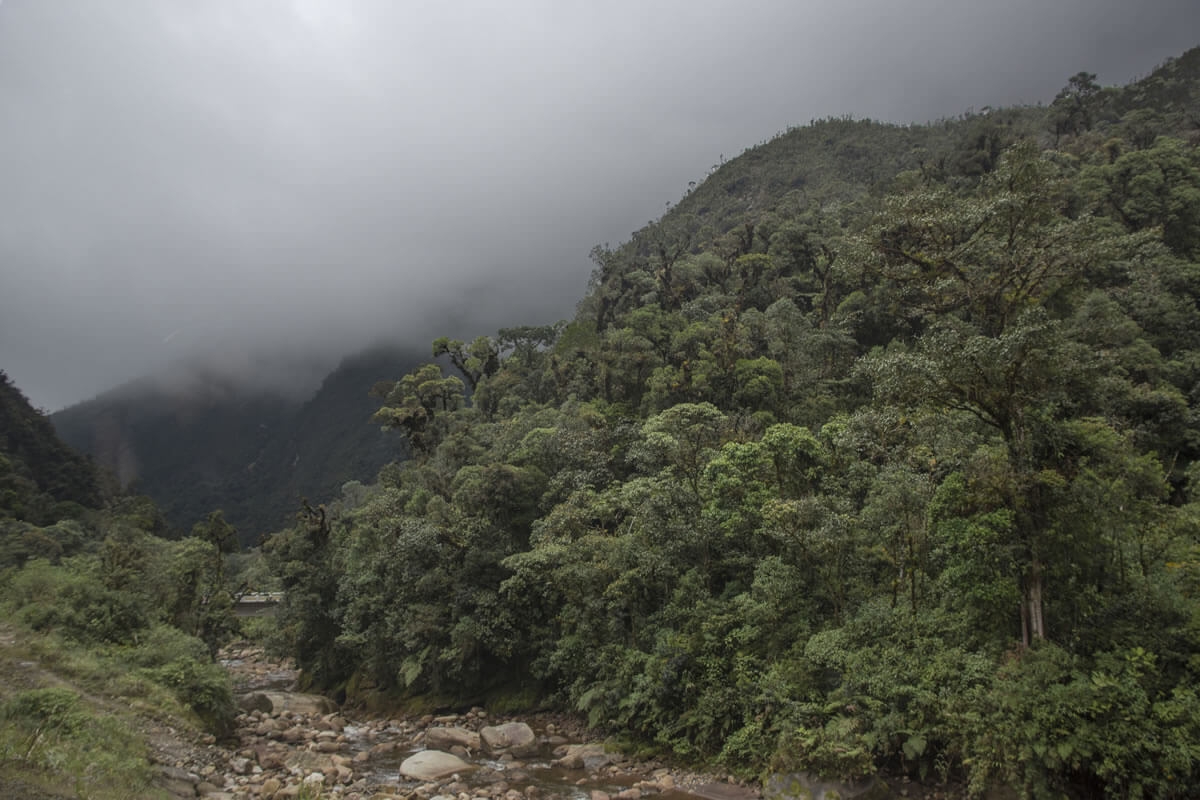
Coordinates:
110 630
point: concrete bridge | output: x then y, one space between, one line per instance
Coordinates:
257 604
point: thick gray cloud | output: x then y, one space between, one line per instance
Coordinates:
181 176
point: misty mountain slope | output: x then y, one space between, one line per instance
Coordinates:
1169 96
253 452
833 163
824 180
317 456
837 162
829 161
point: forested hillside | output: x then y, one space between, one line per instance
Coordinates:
877 451
211 442
38 472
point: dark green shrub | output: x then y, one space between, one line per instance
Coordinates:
44 711
203 687
70 601
1051 724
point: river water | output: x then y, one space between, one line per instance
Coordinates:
354 756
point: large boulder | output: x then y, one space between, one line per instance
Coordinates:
432 765
279 702
583 756
803 786
445 738
724 791
254 701
511 737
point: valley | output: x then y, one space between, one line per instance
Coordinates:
872 464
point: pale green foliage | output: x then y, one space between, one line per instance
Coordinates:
417 405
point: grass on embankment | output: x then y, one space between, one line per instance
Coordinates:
80 715
58 736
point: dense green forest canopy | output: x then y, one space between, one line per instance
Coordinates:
878 450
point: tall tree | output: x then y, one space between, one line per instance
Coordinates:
981 275
418 405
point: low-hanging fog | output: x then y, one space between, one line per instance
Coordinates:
231 177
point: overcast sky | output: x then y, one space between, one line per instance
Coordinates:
182 175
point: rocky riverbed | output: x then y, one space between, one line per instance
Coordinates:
298 745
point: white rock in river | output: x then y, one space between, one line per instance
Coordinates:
584 756
514 737
429 765
279 702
